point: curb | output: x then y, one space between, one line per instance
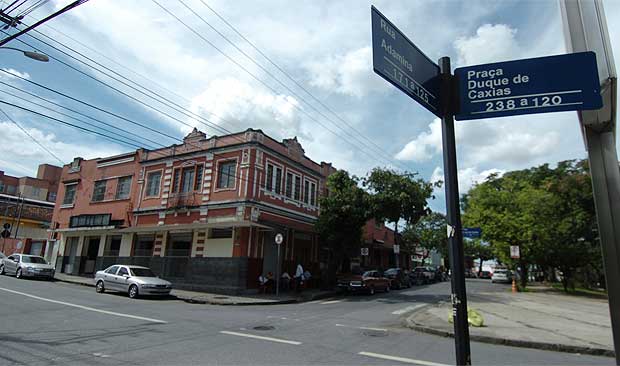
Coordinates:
557 347
190 300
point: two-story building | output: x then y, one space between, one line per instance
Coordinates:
379 241
203 213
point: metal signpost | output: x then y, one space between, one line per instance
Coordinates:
278 239
472 232
400 62
535 85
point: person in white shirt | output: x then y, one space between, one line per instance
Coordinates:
299 277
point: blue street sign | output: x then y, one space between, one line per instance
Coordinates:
536 85
472 232
400 62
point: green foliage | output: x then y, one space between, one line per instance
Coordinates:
397 196
344 211
429 233
548 213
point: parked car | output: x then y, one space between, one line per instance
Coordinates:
485 274
469 273
2 256
398 278
416 276
438 275
427 274
23 265
501 275
133 280
369 281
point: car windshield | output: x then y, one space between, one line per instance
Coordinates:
367 274
500 271
142 272
38 260
391 271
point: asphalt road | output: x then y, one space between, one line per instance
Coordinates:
49 323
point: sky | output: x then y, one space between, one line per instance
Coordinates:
171 77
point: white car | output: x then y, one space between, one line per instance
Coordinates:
24 265
132 280
501 275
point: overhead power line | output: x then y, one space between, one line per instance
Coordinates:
31 137
297 107
71 124
364 140
81 120
91 105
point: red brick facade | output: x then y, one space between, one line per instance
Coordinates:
191 211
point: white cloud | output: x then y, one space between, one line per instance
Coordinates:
425 146
467 178
346 73
491 43
470 176
22 155
24 75
237 106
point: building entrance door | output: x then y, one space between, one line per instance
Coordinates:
90 251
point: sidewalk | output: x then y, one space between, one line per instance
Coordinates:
543 320
196 297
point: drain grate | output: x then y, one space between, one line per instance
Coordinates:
264 327
375 333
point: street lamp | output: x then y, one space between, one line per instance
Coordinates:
33 55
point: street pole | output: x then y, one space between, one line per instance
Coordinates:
605 173
19 213
454 229
278 273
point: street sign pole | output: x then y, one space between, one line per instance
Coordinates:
278 273
455 234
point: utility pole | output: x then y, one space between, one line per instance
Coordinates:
19 213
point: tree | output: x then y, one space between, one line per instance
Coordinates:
397 196
344 212
549 213
428 233
478 249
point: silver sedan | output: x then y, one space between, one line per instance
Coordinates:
132 280
24 265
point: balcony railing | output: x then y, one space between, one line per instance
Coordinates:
183 200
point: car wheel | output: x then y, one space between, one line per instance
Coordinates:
2 269
100 288
371 291
18 273
133 291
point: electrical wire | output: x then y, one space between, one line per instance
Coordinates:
31 137
84 122
291 78
261 81
376 148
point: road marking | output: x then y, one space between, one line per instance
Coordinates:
363 328
407 309
330 302
247 335
85 307
401 359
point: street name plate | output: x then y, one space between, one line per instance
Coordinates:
400 62
472 232
536 85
